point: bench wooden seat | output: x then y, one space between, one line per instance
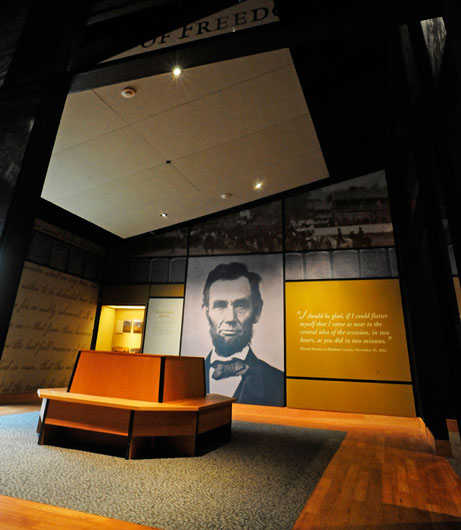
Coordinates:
194 404
88 415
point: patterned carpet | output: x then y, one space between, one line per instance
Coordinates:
261 480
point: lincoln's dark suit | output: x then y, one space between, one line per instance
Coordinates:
262 384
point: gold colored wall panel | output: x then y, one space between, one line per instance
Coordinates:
349 396
346 329
167 290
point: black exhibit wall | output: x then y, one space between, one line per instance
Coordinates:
421 180
35 84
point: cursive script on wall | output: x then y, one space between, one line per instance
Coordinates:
53 318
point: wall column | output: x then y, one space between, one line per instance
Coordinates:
31 102
415 163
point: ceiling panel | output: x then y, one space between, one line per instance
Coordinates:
95 118
165 92
142 194
225 115
103 159
237 165
221 127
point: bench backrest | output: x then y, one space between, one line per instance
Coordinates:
143 377
184 377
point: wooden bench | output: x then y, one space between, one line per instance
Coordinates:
136 405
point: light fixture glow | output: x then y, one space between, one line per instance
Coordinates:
258 185
226 195
163 214
177 71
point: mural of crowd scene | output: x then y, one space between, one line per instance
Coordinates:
345 215
171 243
248 231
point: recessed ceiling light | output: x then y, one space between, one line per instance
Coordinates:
177 71
258 185
128 92
226 195
163 214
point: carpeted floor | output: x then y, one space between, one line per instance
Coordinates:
261 480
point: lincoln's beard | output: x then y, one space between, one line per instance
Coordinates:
227 346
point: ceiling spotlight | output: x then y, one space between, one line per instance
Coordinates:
163 214
226 195
128 92
177 71
258 185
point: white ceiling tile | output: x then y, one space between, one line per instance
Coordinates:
161 186
85 116
124 225
183 209
223 116
236 166
147 193
164 92
223 126
100 160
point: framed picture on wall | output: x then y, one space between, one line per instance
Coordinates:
137 326
127 326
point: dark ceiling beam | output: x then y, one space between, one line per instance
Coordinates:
313 24
344 86
196 53
398 11
13 17
53 214
343 77
109 9
103 40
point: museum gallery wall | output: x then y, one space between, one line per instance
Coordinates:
328 330
54 312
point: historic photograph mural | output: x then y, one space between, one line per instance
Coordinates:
350 214
233 316
251 231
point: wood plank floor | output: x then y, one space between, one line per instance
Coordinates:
385 475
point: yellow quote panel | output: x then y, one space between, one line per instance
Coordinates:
346 330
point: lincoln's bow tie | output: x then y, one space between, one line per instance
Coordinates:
224 369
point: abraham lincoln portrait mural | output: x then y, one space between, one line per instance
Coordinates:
233 316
